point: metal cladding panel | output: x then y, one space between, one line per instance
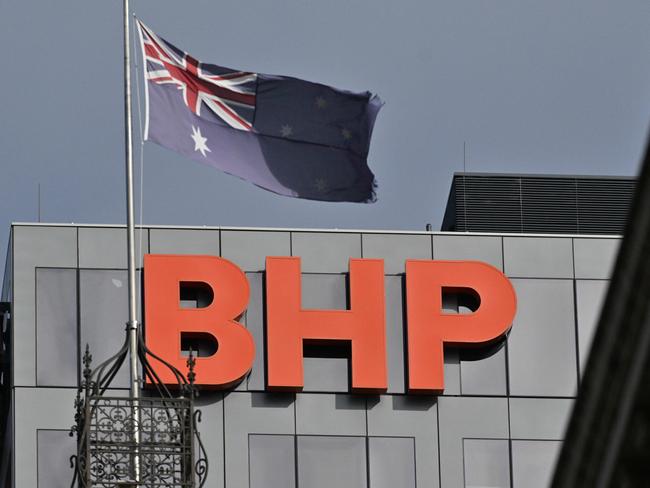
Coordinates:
590 296
53 451
542 355
56 327
34 247
272 461
538 257
391 462
539 418
594 258
485 462
38 409
102 313
325 252
184 241
488 249
467 418
538 204
326 461
533 463
249 249
330 414
105 247
396 249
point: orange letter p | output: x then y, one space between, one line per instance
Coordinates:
428 328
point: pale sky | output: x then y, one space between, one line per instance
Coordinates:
532 86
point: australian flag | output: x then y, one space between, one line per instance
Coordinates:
286 135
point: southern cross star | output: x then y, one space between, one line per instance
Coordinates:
347 135
321 185
286 130
321 102
199 141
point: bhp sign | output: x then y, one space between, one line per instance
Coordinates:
288 325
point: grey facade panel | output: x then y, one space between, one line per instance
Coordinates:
533 463
254 319
326 374
330 414
462 418
590 295
452 371
105 247
391 462
469 248
103 302
252 413
408 416
542 343
54 448
538 257
272 461
483 371
486 463
395 249
184 241
53 247
249 249
327 461
40 409
211 429
325 292
395 334
539 418
56 327
594 258
325 252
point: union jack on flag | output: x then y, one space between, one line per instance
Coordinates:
229 94
287 135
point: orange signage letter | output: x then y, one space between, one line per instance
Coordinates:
288 325
428 328
166 320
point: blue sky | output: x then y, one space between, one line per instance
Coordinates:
530 86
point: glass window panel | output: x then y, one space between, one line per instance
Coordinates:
327 461
486 463
56 327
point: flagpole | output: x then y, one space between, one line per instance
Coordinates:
132 324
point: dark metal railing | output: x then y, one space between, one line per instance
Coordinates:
137 442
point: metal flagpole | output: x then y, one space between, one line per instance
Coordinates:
132 324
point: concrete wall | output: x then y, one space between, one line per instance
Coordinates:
499 423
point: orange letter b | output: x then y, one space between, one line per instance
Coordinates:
166 320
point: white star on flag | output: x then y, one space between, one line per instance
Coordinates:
320 184
321 102
286 130
199 141
347 135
